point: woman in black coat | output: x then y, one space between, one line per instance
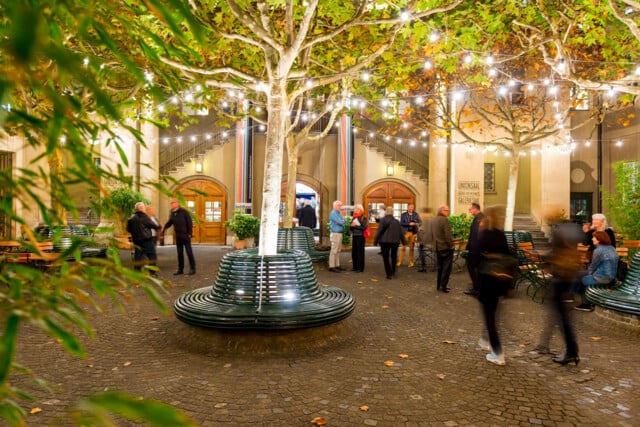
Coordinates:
389 236
491 241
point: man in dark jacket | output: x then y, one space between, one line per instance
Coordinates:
389 236
307 215
183 226
473 253
139 226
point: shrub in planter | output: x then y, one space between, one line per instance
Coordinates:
243 225
461 226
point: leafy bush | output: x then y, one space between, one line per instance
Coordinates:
624 204
460 226
243 225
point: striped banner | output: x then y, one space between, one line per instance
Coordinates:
345 161
244 148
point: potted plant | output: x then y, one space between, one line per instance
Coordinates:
119 204
461 227
243 226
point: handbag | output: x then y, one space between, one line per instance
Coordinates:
366 232
503 267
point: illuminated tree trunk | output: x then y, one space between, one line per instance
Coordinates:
292 161
514 166
276 133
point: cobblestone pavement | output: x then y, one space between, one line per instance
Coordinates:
439 376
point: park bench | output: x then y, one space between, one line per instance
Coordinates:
625 298
300 238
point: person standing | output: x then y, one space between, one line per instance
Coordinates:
492 240
139 226
336 228
307 215
443 245
389 236
410 221
358 225
473 255
181 220
425 237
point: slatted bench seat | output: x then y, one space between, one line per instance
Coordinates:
625 298
300 238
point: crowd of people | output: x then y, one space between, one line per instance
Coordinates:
489 257
492 265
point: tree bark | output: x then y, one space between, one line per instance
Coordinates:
277 123
514 166
292 170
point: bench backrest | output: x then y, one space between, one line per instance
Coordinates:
631 284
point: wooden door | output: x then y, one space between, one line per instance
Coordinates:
208 205
386 194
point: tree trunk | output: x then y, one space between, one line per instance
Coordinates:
55 170
292 160
277 106
514 166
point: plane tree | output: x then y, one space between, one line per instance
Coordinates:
281 52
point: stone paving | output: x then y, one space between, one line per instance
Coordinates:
408 356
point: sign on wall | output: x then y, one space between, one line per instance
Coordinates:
468 192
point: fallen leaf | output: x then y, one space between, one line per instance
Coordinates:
522 345
35 410
364 408
441 376
126 364
90 366
448 342
596 338
389 363
319 421
385 306
374 280
359 282
403 356
154 318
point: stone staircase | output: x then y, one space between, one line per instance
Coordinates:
525 222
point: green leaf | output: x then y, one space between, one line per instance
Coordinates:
98 407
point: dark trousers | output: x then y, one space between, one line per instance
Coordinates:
472 267
182 244
389 257
489 295
357 252
144 248
445 264
563 316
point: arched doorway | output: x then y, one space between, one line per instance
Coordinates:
207 201
386 193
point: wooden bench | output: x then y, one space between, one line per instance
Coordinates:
625 298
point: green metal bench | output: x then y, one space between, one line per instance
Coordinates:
301 238
264 292
625 298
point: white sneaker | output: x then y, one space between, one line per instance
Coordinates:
484 344
498 359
